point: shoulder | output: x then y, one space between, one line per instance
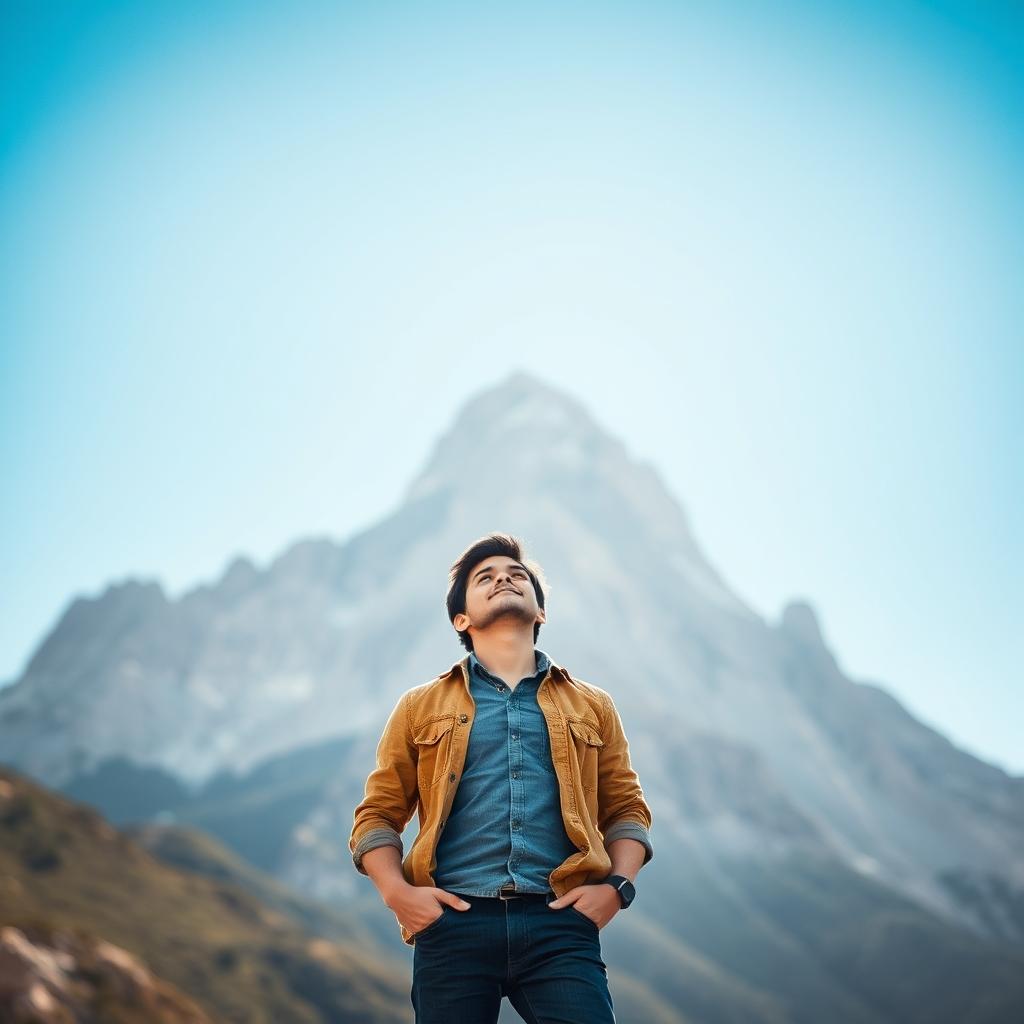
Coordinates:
424 695
596 693
599 699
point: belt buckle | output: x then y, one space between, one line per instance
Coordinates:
507 893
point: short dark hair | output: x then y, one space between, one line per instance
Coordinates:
485 547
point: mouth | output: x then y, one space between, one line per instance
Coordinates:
506 590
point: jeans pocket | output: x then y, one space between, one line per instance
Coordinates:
433 924
579 913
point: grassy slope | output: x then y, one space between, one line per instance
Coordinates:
61 864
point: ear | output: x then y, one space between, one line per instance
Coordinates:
460 622
541 617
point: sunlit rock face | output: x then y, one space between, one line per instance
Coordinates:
62 977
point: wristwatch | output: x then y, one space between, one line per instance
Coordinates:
624 887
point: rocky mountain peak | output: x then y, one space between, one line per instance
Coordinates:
800 622
521 428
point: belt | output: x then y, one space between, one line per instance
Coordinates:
508 892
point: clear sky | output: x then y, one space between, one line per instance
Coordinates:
254 256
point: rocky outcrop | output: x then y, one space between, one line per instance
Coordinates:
56 976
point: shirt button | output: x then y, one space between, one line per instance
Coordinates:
463 719
515 775
515 735
451 778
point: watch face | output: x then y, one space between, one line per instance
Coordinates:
627 892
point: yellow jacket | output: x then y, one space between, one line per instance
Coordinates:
422 751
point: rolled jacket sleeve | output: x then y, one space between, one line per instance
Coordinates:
391 791
623 812
630 830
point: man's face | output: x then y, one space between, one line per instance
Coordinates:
497 588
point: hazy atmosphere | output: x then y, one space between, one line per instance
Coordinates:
254 259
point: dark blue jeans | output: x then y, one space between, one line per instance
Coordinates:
548 963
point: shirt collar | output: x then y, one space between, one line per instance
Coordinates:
543 664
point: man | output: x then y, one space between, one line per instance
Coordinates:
533 824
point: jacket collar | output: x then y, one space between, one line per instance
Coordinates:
543 663
460 670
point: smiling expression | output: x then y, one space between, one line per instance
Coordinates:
499 587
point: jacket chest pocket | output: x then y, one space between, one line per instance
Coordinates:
586 746
433 741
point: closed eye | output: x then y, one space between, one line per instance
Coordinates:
482 576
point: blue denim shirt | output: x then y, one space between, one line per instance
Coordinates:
505 824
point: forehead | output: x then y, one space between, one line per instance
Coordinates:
496 562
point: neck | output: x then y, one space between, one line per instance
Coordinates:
509 655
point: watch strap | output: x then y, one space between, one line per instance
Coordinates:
617 882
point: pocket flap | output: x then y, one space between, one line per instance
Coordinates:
430 732
586 732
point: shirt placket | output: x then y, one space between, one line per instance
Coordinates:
517 805
517 801
517 789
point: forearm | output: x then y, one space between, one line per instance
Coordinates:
628 856
383 864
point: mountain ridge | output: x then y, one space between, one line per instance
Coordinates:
320 641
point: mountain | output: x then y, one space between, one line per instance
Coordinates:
92 927
753 943
760 759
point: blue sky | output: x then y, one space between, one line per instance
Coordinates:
255 256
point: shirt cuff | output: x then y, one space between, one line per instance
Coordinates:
630 830
374 838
